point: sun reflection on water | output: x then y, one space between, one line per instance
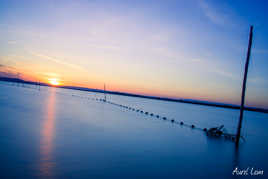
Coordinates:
47 134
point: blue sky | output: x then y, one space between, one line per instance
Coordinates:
184 49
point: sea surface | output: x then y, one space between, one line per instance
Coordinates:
62 133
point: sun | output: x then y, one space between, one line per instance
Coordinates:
54 81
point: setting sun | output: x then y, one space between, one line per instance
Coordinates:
53 81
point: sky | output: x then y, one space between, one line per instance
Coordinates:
193 49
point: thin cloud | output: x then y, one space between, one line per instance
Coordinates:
196 60
55 60
12 42
260 51
6 71
106 47
256 80
217 16
6 67
225 74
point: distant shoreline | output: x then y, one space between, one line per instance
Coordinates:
189 101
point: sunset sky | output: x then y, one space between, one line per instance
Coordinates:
183 49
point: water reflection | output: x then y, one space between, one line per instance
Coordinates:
47 134
236 162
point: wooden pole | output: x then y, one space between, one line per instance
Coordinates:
104 93
244 87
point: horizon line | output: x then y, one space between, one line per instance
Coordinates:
170 99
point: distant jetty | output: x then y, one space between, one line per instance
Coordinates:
189 101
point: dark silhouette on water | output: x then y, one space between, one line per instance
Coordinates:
216 131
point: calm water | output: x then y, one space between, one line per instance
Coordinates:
53 133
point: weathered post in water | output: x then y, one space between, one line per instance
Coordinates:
244 87
104 93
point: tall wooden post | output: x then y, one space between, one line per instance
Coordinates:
244 87
104 93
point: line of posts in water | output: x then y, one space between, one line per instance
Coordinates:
172 120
